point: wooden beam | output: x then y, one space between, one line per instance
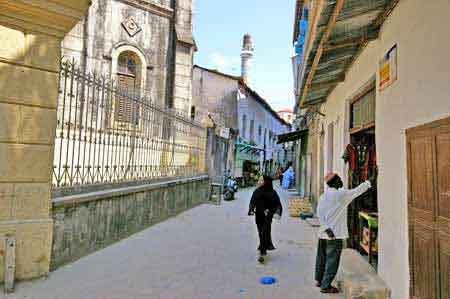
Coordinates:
325 37
333 61
328 83
352 42
370 34
314 101
385 14
357 12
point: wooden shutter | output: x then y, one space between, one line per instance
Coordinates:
428 149
124 103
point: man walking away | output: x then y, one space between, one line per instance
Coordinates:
332 213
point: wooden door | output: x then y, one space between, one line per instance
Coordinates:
428 151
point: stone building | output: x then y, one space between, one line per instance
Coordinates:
259 126
143 45
31 33
214 103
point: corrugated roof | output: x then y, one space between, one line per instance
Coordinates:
357 22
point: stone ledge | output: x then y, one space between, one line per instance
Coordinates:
98 195
358 280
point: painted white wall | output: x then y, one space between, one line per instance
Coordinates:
420 95
255 111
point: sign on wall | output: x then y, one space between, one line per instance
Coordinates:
388 68
224 132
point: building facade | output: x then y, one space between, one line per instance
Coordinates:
214 103
141 45
382 94
287 114
259 125
31 33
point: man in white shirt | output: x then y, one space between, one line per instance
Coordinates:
332 213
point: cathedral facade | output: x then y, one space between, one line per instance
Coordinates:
144 45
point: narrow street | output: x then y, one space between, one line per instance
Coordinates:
213 255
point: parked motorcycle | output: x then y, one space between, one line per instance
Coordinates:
230 188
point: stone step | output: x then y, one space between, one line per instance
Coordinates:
358 280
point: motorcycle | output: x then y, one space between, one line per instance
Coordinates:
230 188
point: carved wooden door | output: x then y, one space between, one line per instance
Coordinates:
428 151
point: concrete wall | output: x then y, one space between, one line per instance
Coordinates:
420 95
86 223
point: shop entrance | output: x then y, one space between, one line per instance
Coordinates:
360 155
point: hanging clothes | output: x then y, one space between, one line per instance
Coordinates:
370 163
351 157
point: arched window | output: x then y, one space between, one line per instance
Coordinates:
128 85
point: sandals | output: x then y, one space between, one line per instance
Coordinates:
330 290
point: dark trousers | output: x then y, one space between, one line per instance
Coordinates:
264 225
327 261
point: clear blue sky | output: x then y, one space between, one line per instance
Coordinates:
219 26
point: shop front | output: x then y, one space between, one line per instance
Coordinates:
247 164
360 157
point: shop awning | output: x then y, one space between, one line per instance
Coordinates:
343 29
292 136
248 148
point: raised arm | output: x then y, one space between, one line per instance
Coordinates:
356 192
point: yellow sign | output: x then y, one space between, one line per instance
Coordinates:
388 68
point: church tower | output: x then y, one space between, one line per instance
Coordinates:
246 58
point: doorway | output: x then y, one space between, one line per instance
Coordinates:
360 154
428 161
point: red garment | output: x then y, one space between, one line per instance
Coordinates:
351 156
370 163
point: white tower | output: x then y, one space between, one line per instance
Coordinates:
246 58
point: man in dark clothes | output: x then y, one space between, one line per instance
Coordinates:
264 204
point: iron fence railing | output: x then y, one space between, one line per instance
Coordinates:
107 133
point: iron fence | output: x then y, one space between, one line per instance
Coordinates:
107 133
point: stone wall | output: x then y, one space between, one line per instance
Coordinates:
86 223
150 29
30 35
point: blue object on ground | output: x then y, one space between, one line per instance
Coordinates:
268 280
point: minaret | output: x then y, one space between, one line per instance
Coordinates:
246 58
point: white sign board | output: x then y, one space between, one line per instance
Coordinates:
224 133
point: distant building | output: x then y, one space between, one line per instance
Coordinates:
287 114
259 126
214 103
229 105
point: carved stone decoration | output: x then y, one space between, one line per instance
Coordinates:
131 27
